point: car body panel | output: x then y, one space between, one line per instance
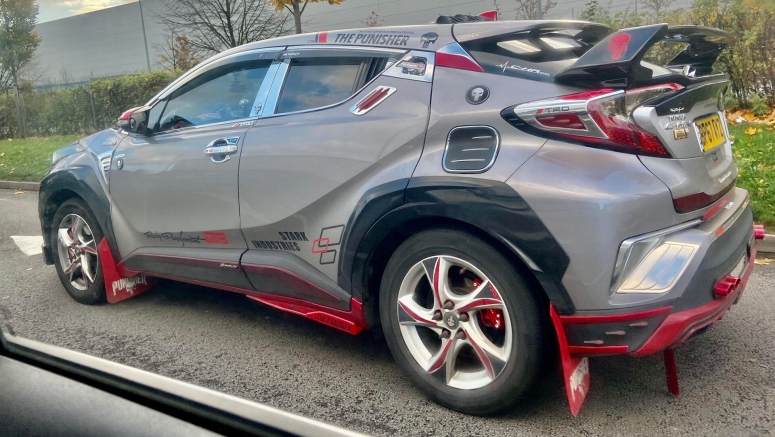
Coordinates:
301 175
173 195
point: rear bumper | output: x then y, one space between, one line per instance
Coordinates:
680 326
651 328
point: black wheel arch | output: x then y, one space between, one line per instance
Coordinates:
77 180
489 209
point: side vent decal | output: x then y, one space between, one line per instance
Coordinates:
372 99
471 149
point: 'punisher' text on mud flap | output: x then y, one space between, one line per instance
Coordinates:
118 288
575 371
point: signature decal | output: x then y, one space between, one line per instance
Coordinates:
171 236
505 66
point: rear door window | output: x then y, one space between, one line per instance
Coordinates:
323 78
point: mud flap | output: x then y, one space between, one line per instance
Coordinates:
575 371
118 288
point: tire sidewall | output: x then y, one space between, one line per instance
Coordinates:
95 293
524 357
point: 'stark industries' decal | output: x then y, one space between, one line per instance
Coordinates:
505 66
289 242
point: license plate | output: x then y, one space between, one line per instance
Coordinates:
711 132
737 272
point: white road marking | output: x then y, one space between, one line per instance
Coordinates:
29 245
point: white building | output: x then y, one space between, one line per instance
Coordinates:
125 39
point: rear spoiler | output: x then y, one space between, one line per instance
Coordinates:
616 60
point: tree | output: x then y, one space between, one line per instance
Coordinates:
297 7
177 54
210 26
372 20
528 9
18 39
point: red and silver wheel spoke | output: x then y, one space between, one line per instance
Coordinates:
437 270
77 249
485 296
411 313
65 238
493 358
70 269
442 364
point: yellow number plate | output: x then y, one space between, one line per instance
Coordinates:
711 132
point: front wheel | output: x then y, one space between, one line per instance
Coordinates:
76 234
461 322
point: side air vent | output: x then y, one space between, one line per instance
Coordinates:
105 159
471 149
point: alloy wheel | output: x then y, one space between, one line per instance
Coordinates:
77 251
454 322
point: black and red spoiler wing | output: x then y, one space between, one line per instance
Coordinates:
616 60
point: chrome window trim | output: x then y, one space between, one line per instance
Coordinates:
202 68
263 92
271 103
188 128
494 155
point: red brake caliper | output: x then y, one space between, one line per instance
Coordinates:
490 318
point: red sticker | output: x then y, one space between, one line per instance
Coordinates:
316 245
119 288
322 38
215 238
618 45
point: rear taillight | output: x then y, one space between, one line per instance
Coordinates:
598 118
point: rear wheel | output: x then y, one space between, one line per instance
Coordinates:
76 234
461 322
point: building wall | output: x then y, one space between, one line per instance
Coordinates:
110 42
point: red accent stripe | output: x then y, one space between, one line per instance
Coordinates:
351 321
717 207
323 37
614 318
372 99
456 61
598 350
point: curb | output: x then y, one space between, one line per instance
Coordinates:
13 185
767 245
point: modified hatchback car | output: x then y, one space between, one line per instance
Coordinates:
479 191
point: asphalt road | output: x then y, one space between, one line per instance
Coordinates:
226 342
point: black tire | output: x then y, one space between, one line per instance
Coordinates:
94 293
527 320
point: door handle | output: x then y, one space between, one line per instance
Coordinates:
220 149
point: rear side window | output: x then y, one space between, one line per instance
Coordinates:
316 82
326 79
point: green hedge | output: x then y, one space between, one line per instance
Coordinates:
69 111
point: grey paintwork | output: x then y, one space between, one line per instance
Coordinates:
300 177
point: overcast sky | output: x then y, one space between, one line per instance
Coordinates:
56 9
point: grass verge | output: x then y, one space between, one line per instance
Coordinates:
29 159
754 147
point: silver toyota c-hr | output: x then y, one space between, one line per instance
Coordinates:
479 191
